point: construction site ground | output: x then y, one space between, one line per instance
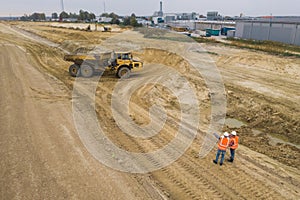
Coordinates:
42 156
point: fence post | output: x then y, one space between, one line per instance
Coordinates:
296 31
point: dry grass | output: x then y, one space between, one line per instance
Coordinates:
276 48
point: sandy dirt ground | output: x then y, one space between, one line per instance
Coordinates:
42 156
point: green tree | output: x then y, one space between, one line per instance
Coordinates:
54 15
38 17
82 15
24 18
113 15
115 18
63 15
92 16
115 21
133 21
104 15
73 15
86 16
126 21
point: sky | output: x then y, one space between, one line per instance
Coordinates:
147 7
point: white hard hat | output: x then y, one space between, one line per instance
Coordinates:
226 134
233 133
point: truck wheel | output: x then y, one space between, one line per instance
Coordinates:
123 72
86 71
74 70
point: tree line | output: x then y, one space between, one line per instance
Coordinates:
86 17
34 17
82 16
126 21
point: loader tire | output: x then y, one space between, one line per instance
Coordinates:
123 72
86 71
74 70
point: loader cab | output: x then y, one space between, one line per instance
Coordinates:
124 56
126 59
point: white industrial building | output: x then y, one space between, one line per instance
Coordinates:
214 15
161 17
217 25
105 19
285 32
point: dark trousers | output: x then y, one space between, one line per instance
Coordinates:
222 152
232 153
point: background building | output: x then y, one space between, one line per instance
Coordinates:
285 32
212 16
216 25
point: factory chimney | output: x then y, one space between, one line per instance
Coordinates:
160 12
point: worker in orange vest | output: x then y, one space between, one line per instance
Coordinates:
222 146
233 145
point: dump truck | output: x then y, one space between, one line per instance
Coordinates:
85 65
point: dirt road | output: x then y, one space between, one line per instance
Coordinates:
42 156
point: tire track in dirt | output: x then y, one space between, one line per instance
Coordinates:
128 143
183 174
250 185
185 168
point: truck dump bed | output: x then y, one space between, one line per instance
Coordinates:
102 58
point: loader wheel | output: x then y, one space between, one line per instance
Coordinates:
123 72
74 70
86 71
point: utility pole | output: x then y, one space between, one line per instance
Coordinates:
270 27
62 9
62 6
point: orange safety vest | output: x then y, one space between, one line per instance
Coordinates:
235 142
223 143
